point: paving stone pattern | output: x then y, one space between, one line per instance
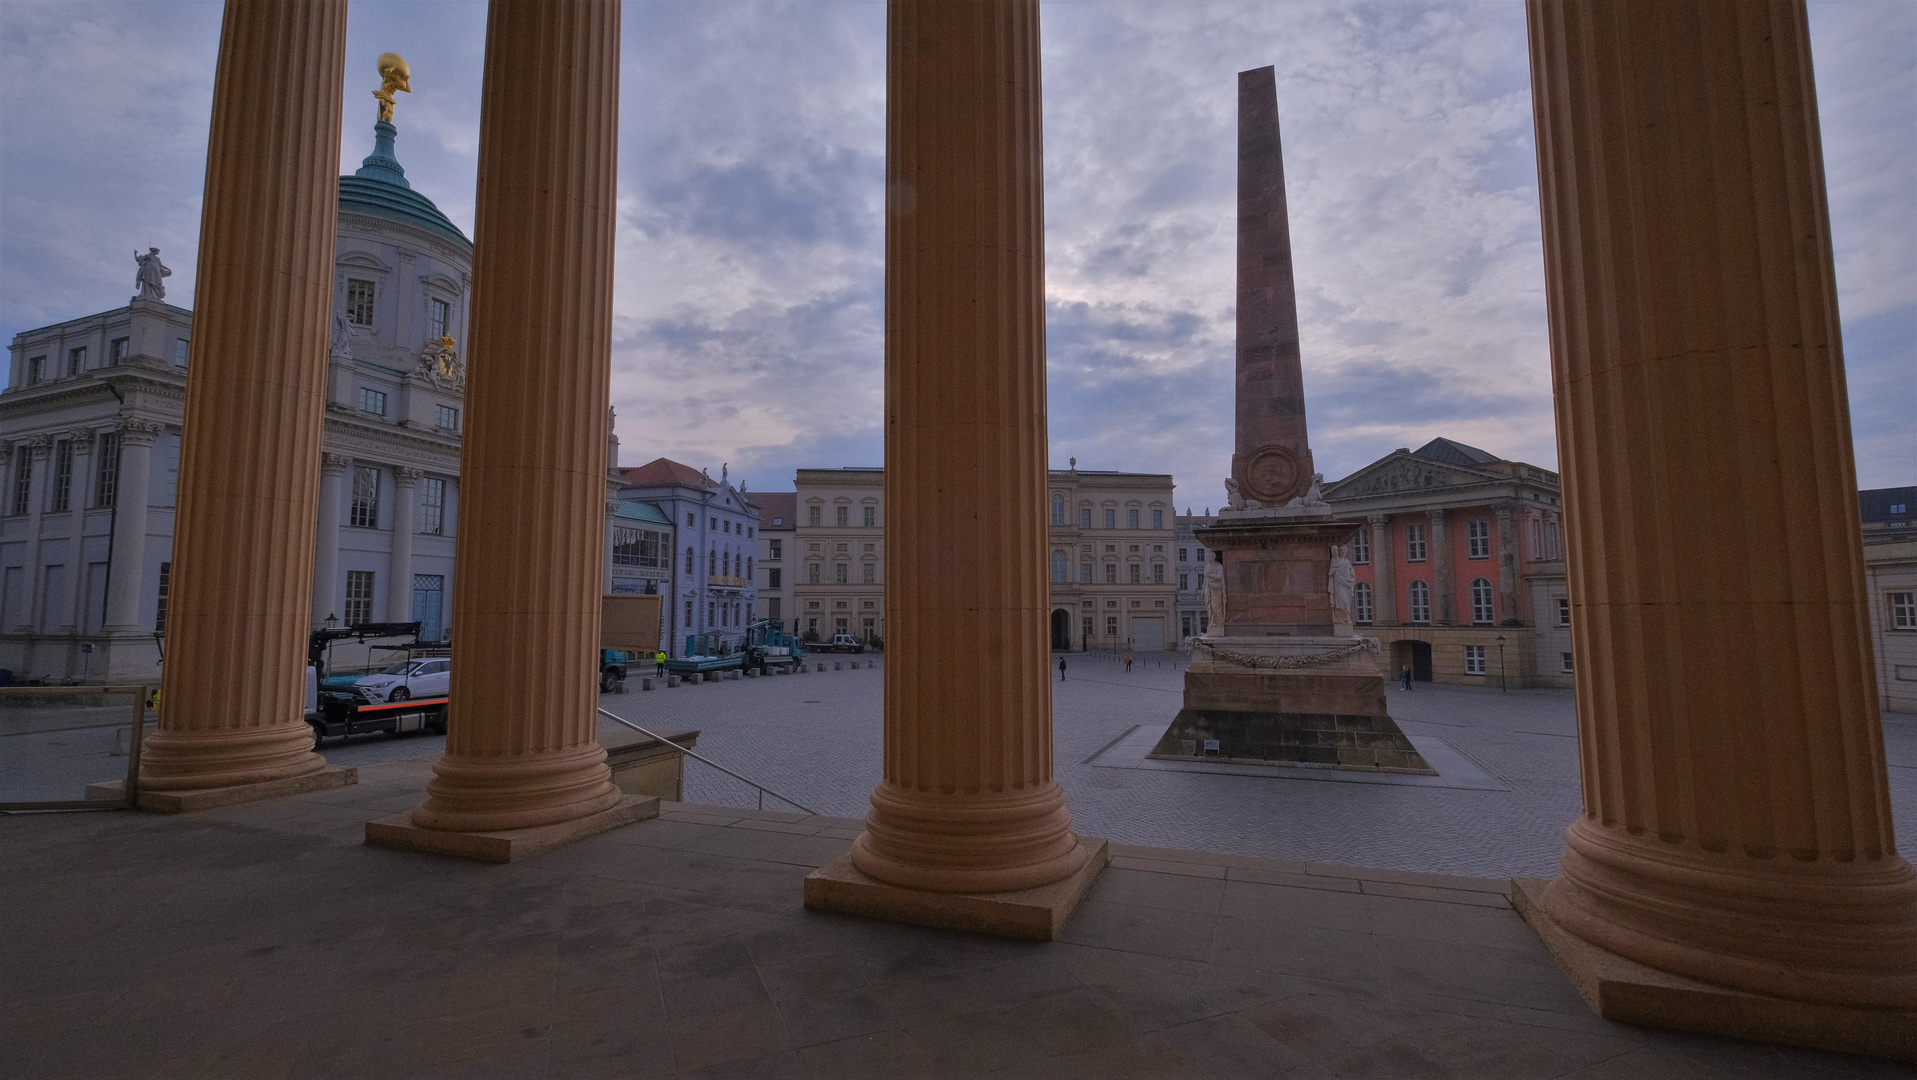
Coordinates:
265 942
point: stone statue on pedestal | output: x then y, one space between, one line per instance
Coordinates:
1343 582
1215 595
148 278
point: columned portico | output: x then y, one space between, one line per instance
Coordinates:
238 613
968 804
1737 828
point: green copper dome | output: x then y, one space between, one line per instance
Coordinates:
380 187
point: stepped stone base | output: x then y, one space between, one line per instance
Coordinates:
1033 914
1329 715
506 845
1630 993
186 802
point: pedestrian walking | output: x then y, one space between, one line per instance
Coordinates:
1404 676
1061 669
1128 661
660 659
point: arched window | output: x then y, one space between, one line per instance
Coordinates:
1420 602
1058 557
1481 610
1058 515
1361 603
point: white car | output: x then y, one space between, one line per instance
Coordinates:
408 679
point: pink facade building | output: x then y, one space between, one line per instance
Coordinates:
1460 570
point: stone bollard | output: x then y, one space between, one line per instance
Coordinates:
645 684
672 681
836 666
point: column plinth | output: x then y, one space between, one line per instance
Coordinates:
968 803
233 701
521 749
1737 826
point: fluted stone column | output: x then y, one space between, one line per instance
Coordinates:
399 595
127 565
522 750
1508 564
1736 824
238 611
1384 559
332 491
968 803
1443 589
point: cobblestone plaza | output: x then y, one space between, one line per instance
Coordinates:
816 737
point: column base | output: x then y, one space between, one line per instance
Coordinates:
1032 914
1628 992
506 845
189 800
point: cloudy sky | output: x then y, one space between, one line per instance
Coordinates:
748 299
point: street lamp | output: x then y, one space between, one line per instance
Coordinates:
331 621
1502 688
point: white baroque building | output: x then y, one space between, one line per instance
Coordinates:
89 434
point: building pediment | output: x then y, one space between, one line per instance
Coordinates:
1407 472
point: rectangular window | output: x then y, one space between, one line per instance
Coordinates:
777 547
1111 519
1474 659
871 572
1903 611
36 369
1361 603
812 573
1132 573
446 418
725 526
813 515
181 349
62 475
359 302
432 506
845 515
170 476
22 480
1084 517
1564 666
106 470
1564 611
772 578
1131 519
1085 573
1414 546
116 350
359 597
437 314
372 401
772 608
839 573
1158 519
159 609
365 513
1158 573
1111 573
625 546
688 614
1184 554
76 360
1111 625
652 551
1477 538
1184 582
1361 547
871 517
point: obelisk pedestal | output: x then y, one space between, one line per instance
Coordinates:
1281 679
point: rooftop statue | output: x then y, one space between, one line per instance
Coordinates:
395 75
147 278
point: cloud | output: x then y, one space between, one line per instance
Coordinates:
749 274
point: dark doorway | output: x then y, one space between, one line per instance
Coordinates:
1061 630
1415 655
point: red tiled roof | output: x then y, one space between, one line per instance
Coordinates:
776 504
661 472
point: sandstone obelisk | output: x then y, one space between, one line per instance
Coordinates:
1271 458
1281 678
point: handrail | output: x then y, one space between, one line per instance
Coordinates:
763 790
